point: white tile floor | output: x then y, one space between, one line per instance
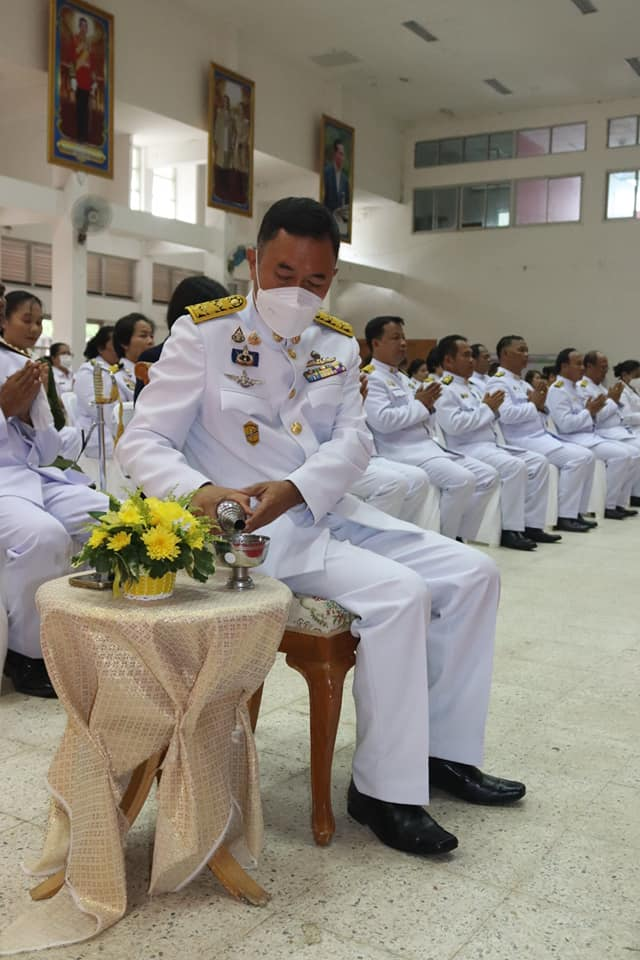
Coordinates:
558 876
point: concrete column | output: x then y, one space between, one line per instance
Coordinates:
69 274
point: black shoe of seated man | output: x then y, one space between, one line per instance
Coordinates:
541 536
29 676
613 513
627 513
465 782
515 540
572 525
634 501
403 826
589 522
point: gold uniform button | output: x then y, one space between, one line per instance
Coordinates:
292 353
292 394
296 427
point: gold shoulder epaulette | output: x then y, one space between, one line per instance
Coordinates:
558 383
214 309
368 369
499 373
428 379
340 326
582 383
447 379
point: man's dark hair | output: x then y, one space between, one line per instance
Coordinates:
548 370
448 347
301 217
433 359
505 342
190 291
337 143
375 328
626 366
563 357
476 348
591 358
415 365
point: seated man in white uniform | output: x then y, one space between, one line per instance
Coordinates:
287 434
467 421
522 425
41 508
400 420
609 421
481 363
626 371
574 418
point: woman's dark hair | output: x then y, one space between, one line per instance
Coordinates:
123 331
625 366
434 360
301 217
55 349
190 291
530 374
14 300
415 365
98 342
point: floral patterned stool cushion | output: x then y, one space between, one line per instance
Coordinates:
315 615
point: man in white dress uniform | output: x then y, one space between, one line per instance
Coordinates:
467 420
401 421
252 395
574 416
522 421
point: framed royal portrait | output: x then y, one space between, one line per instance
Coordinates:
337 141
81 92
230 165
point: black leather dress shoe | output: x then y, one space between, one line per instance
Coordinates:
541 536
468 783
514 540
589 522
627 513
634 501
29 675
613 513
571 525
402 826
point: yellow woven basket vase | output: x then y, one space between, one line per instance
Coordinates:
149 588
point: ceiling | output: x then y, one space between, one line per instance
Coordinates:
545 51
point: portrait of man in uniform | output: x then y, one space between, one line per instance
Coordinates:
231 100
81 87
336 178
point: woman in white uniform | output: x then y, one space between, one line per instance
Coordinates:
61 358
132 335
627 371
42 508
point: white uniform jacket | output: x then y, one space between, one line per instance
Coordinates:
196 422
63 381
400 424
26 450
462 415
572 420
630 407
480 381
608 421
519 417
126 379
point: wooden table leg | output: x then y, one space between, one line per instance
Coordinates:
237 881
131 805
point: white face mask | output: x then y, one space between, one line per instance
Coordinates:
66 360
288 311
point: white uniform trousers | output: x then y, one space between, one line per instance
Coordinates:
36 543
465 490
620 457
635 468
576 466
427 610
398 489
524 484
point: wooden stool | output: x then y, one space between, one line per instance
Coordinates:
318 644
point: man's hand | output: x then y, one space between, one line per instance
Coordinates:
494 400
275 498
364 386
429 394
19 391
538 396
595 404
615 392
207 498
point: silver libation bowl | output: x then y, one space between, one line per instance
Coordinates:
240 553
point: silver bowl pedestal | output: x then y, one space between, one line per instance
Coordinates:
240 553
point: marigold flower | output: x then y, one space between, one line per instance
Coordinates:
130 514
119 541
97 537
161 544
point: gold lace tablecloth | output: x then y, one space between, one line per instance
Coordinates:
135 678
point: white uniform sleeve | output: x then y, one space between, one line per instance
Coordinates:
630 414
384 416
510 412
455 420
560 408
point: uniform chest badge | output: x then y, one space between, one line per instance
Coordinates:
238 336
254 338
464 395
244 380
245 357
320 368
251 432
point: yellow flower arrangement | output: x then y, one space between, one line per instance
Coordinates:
149 537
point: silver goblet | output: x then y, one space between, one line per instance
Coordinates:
240 553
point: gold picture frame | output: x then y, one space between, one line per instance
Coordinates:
231 129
